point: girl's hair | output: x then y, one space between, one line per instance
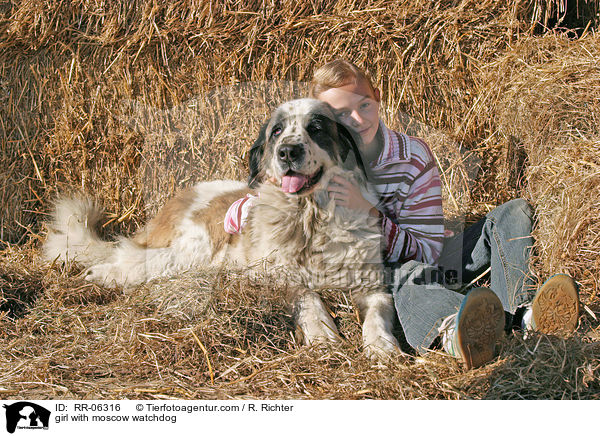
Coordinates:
335 74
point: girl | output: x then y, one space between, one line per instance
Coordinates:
405 175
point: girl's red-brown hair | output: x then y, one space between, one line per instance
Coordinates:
335 74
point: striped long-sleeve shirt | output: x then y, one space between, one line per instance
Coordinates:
407 180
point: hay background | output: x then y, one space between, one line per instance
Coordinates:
130 104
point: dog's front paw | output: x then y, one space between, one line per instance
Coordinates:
378 339
104 274
313 322
379 342
382 348
317 332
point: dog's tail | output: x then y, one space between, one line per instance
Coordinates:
72 235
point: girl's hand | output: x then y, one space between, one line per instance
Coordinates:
347 194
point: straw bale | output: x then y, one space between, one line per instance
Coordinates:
70 71
544 94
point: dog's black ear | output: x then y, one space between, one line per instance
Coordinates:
350 149
255 157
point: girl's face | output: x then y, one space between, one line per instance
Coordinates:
357 107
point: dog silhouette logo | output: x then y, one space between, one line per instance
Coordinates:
26 415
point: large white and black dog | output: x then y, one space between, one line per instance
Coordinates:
294 230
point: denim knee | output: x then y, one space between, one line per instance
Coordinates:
518 210
521 205
408 271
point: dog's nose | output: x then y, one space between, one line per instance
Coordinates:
289 153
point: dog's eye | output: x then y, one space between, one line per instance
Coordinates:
314 126
276 131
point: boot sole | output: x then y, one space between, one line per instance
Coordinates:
480 327
556 306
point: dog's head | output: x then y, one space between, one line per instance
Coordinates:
297 146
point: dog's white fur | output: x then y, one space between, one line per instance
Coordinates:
304 239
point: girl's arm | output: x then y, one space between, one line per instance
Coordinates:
416 231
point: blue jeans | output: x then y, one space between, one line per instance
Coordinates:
425 294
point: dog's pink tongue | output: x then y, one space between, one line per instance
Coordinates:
292 183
